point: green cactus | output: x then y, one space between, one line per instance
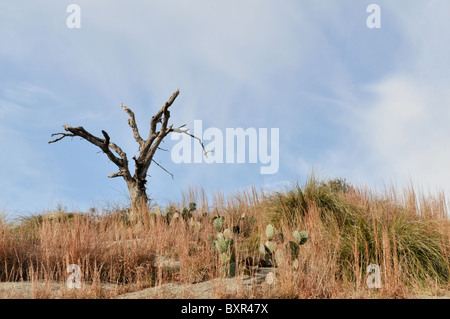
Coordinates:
170 209
262 249
156 212
301 237
225 248
192 207
224 245
218 223
273 252
279 257
211 240
293 248
227 233
269 231
279 238
225 258
228 264
187 211
170 213
195 224
186 214
231 271
271 246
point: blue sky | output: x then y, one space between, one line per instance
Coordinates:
369 105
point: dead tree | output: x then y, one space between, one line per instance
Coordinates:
136 183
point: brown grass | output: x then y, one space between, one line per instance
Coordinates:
407 235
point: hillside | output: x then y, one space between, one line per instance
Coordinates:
315 240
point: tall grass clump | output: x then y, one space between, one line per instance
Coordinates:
406 238
349 227
41 247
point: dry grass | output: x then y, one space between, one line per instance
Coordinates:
407 235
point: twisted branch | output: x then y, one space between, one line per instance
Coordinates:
133 125
147 147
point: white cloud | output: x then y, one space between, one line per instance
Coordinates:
295 65
406 126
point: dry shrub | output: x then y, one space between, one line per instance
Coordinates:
350 228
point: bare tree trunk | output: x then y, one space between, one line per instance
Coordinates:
147 148
138 196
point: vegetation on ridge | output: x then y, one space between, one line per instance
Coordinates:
321 236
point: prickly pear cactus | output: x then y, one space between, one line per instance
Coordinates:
293 248
192 207
227 233
224 245
195 224
156 212
273 250
301 237
279 238
279 257
231 271
262 249
218 223
271 246
171 213
186 214
269 231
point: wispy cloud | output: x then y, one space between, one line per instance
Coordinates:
405 126
366 104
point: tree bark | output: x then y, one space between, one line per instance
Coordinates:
138 195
